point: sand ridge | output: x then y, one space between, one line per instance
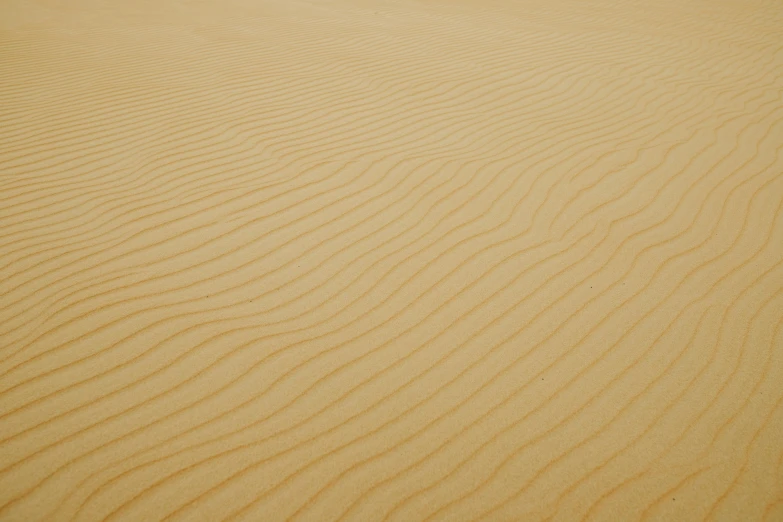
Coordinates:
391 260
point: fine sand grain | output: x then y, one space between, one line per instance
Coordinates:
396 260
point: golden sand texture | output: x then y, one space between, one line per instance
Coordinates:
391 260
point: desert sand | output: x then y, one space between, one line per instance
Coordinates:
391 260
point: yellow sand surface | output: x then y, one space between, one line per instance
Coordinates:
391 260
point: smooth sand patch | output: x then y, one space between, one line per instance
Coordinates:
391 260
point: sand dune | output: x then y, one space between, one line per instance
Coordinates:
391 260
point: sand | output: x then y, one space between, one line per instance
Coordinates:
394 260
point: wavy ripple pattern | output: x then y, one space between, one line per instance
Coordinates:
383 260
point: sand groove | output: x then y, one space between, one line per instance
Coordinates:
372 260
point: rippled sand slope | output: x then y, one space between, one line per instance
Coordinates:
391 260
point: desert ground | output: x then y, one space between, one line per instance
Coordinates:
391 260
